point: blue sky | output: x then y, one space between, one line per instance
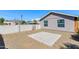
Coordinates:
31 14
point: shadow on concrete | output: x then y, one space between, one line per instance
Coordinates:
75 37
2 44
70 46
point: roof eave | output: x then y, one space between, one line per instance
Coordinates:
57 13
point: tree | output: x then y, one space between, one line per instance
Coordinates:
34 22
23 22
2 20
78 18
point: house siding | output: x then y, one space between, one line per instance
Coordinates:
52 23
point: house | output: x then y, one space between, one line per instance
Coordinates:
33 22
29 22
9 22
12 22
60 21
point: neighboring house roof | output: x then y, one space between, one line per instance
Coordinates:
12 20
8 21
15 21
29 22
57 14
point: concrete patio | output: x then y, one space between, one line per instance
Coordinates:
21 40
45 37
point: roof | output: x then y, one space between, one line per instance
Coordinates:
58 14
12 20
9 20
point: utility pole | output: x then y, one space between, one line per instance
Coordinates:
21 17
20 22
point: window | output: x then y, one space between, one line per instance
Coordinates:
61 23
45 23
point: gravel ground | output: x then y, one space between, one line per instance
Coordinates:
21 40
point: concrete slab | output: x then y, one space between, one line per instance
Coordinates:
45 37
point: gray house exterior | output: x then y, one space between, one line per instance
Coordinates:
58 21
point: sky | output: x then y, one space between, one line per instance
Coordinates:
31 14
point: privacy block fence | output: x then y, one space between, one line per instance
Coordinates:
7 29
